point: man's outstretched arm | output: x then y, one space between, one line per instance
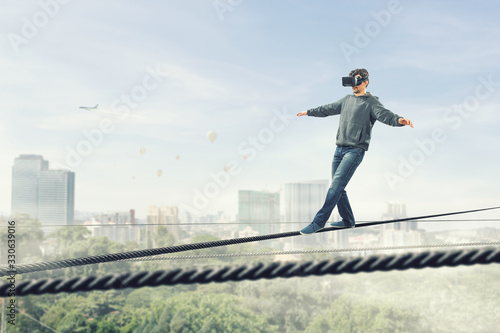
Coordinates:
388 117
324 110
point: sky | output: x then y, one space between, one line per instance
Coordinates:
166 73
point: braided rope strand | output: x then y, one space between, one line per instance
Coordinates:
258 271
276 253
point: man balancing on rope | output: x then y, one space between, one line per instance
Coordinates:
358 113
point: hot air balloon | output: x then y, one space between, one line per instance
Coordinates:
142 150
177 157
159 172
212 136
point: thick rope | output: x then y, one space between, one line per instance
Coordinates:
255 272
278 253
42 266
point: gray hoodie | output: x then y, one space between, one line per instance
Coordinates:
357 116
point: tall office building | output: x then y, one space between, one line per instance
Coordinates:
164 215
25 174
56 197
395 210
302 201
44 194
398 233
259 210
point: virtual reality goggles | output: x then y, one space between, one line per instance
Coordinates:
352 81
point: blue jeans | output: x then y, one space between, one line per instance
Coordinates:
345 162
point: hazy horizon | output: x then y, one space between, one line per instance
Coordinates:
166 74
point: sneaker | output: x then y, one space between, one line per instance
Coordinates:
341 224
310 229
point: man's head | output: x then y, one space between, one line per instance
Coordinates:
360 89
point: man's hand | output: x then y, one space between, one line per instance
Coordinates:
404 121
303 113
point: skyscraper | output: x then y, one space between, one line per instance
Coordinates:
25 174
261 209
44 194
302 201
395 210
398 233
56 197
164 215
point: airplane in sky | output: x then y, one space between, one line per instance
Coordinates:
88 108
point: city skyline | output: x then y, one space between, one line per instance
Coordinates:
163 80
289 202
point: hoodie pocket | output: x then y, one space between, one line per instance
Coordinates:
356 132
